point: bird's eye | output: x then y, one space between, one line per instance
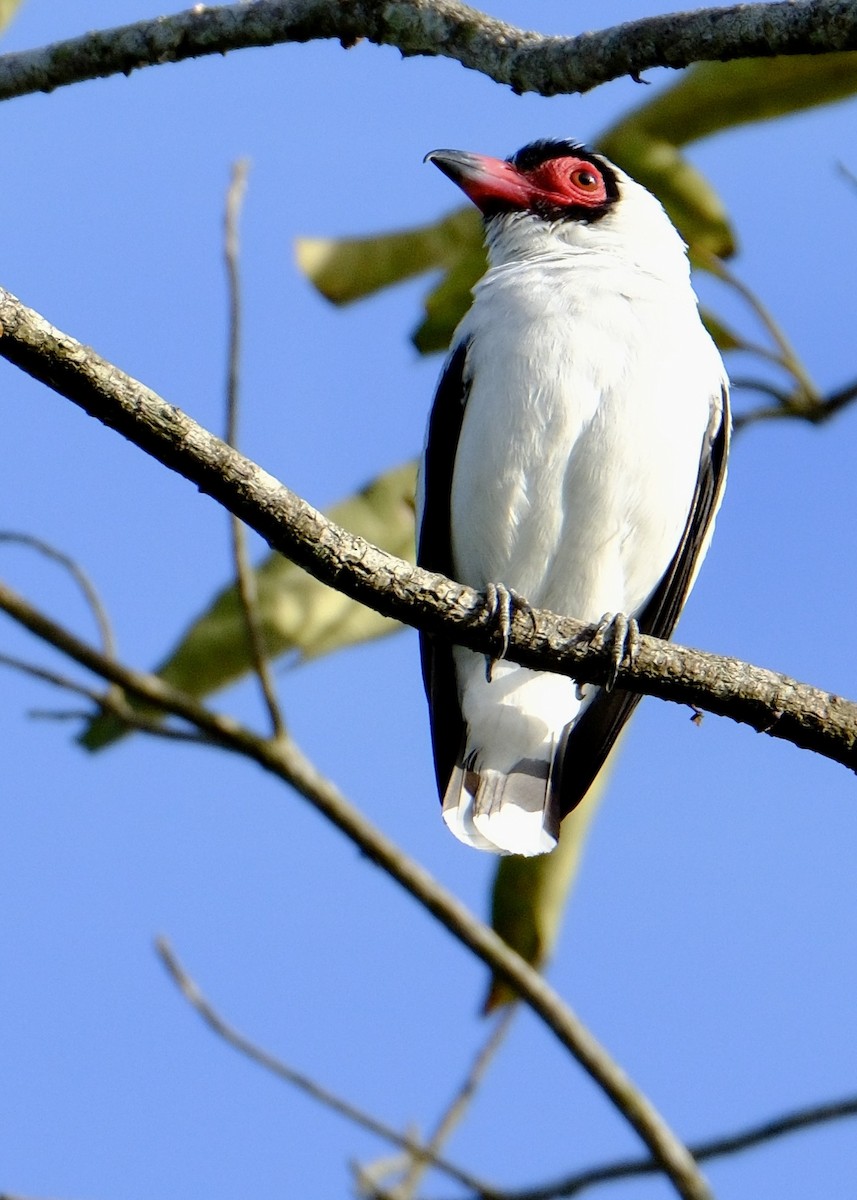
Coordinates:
585 179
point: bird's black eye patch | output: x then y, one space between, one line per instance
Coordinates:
536 153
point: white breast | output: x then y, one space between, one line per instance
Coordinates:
590 392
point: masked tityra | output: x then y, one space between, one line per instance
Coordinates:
576 453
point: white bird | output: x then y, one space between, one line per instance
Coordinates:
576 453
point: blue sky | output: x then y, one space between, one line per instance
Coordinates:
710 943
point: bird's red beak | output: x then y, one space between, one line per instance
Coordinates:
491 183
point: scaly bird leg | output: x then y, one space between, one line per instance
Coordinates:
502 601
620 635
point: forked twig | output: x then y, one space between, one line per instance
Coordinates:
191 992
460 1102
720 1147
282 758
87 587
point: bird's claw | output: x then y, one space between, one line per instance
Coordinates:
620 635
502 601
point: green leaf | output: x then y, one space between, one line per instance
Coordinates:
709 98
530 894
724 337
299 615
450 300
347 269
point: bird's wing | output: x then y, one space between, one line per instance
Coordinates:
434 552
591 739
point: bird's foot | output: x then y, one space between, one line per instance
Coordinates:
502 601
620 635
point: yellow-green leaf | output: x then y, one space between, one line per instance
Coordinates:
346 269
725 338
530 894
299 615
8 8
450 300
708 98
711 97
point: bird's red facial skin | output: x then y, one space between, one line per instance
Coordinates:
550 189
563 181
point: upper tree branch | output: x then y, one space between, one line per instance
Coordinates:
526 61
769 702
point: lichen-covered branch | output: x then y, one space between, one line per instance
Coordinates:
769 702
524 60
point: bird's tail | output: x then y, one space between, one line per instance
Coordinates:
505 812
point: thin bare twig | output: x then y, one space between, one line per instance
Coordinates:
786 354
17 1196
192 993
129 717
282 758
245 576
846 173
87 587
734 1143
44 675
832 404
763 386
459 1104
231 252
113 701
59 715
817 413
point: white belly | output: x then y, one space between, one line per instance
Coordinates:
575 470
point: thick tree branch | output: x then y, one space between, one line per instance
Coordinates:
281 757
526 61
771 703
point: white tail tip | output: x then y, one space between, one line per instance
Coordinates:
501 813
